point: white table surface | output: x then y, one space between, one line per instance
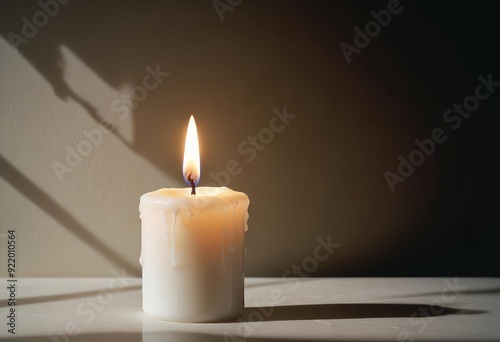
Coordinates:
316 309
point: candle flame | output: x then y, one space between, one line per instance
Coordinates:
191 165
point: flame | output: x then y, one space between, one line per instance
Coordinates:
191 165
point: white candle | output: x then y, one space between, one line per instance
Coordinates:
192 252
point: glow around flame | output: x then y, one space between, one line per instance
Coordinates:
191 165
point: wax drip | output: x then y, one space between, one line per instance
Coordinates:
223 266
173 259
245 220
231 246
165 225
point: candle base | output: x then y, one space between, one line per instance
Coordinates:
220 319
191 296
193 306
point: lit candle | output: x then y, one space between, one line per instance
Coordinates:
193 243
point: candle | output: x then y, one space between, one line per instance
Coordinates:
192 247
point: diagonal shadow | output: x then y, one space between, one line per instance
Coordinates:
347 311
31 191
93 112
471 291
64 296
265 283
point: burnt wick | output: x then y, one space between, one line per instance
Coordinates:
193 189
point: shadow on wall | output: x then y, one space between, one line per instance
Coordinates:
353 119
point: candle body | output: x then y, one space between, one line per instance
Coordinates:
192 253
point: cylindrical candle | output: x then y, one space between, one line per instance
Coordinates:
192 253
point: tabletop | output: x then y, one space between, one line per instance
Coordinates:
276 309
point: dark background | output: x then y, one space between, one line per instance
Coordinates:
324 173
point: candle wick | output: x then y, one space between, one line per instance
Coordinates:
193 189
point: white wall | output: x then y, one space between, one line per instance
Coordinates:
87 222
